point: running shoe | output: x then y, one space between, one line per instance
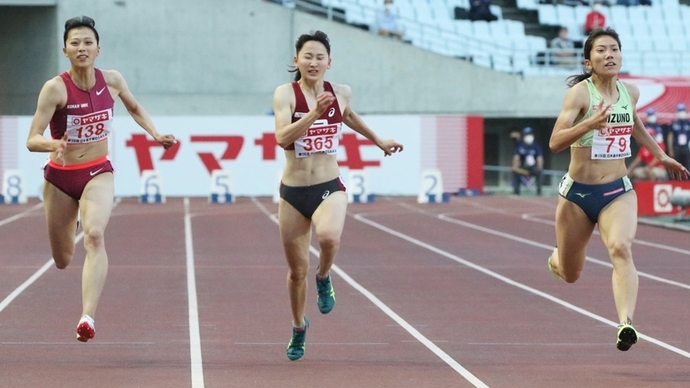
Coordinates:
326 295
295 349
627 337
86 329
552 269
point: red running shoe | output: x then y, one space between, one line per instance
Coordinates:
86 329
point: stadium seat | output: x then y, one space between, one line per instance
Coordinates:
547 15
480 29
514 27
619 13
565 14
463 27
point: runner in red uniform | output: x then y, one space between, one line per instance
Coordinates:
78 105
308 116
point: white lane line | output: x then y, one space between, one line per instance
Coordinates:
550 248
512 282
388 311
197 367
20 215
41 270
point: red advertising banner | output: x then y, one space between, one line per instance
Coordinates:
654 197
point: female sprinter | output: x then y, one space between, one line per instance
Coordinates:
596 122
309 114
78 106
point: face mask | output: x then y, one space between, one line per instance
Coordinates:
682 115
651 119
529 139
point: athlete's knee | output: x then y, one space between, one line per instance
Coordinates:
94 238
297 275
572 276
62 259
620 249
329 242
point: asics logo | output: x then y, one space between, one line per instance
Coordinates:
92 173
331 112
582 195
98 93
325 194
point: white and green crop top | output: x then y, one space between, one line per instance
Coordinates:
616 143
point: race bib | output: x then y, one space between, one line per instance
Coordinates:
614 145
89 128
320 137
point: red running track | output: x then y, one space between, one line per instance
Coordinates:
433 295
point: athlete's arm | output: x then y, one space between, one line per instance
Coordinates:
115 81
576 105
640 133
288 132
352 120
53 95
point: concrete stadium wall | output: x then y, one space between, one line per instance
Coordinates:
217 57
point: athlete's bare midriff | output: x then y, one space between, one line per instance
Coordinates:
584 169
314 169
82 153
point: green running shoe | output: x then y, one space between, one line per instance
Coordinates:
295 349
326 295
627 337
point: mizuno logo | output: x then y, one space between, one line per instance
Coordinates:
624 107
98 93
582 195
325 194
92 173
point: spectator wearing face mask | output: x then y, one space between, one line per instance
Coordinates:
595 19
679 137
387 21
651 123
528 160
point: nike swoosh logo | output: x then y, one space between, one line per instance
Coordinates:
98 93
95 172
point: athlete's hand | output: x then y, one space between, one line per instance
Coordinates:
390 147
166 141
600 118
61 147
323 101
675 169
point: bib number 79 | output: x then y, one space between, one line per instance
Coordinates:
622 144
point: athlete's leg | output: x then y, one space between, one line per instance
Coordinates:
618 224
61 216
329 220
573 231
295 232
96 205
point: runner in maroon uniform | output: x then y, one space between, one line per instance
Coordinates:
309 114
78 105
